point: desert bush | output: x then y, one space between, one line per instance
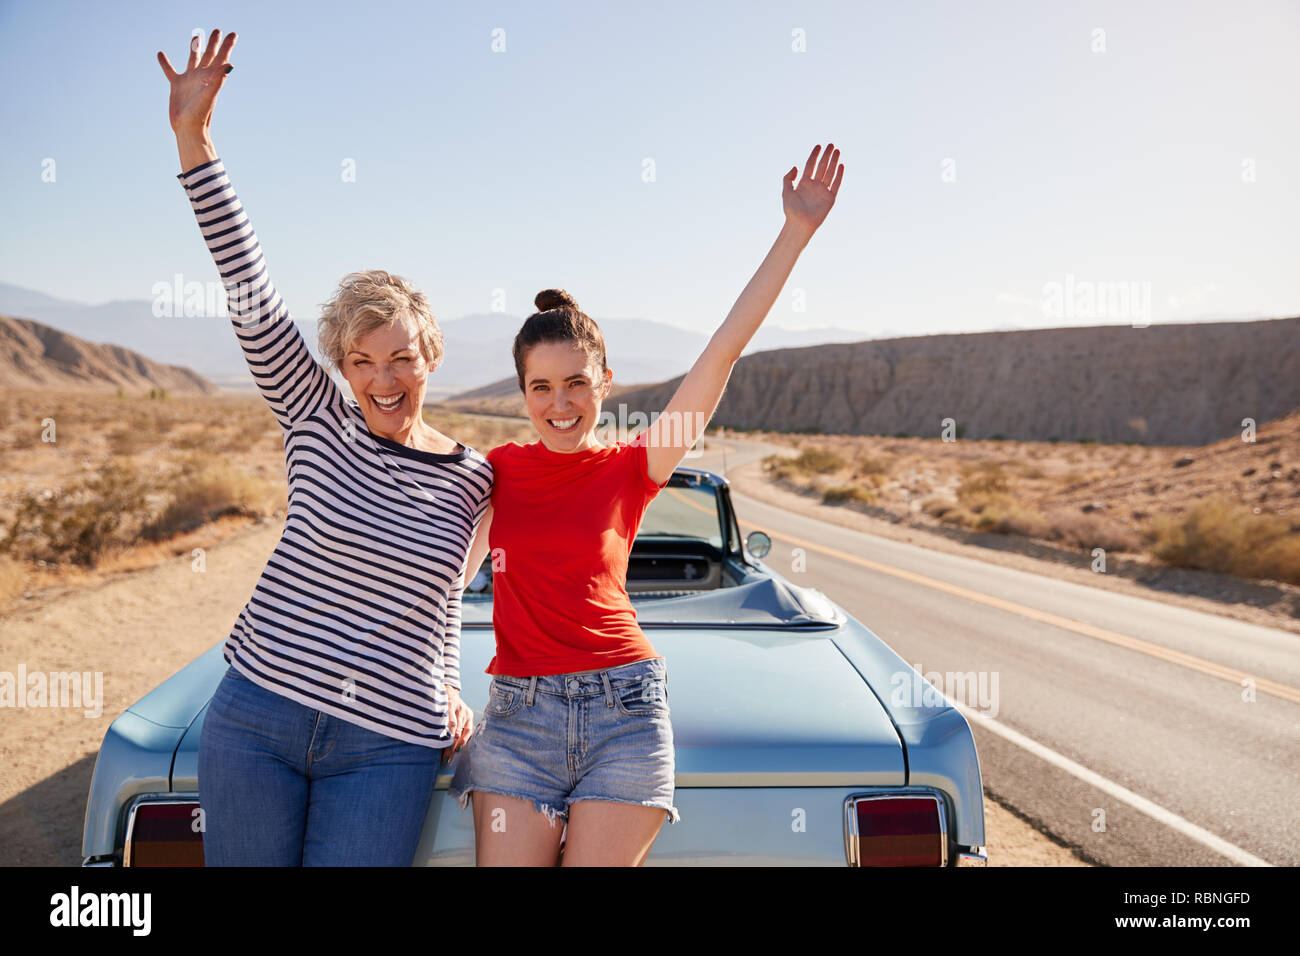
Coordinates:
1217 534
982 478
206 489
817 461
937 506
192 440
847 494
79 523
778 466
1088 531
875 464
129 440
988 510
1008 517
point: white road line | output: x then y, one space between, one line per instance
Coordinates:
1142 804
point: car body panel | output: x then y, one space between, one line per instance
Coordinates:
719 826
135 758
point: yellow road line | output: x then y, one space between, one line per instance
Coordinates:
1079 627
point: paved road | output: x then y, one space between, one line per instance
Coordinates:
1118 723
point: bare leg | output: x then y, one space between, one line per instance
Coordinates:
508 831
610 834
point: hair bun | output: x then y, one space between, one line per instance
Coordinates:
549 299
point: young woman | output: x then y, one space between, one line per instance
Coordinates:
577 725
323 741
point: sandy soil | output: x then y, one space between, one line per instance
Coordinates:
136 628
140 627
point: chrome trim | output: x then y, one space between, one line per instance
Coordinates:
98 861
152 800
891 793
975 856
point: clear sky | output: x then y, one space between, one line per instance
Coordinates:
991 149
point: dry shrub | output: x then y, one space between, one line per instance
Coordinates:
983 478
1091 530
819 461
129 440
875 464
1007 517
1217 534
937 506
982 506
82 522
192 440
778 466
842 494
810 461
207 489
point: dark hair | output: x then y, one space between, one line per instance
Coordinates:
558 319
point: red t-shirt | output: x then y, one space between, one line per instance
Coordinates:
562 531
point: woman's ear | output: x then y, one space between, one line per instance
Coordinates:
607 383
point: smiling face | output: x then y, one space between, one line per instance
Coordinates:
563 390
389 377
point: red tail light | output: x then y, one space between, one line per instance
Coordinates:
164 834
895 830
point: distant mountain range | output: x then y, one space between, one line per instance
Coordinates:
1185 384
477 346
36 355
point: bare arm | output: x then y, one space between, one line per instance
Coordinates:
681 424
478 548
194 95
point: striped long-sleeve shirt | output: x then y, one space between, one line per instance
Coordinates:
357 612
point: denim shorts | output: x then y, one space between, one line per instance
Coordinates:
564 738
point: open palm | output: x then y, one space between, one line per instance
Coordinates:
808 205
194 92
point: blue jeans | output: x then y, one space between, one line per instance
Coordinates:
281 784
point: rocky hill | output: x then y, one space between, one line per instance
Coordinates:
1185 384
37 355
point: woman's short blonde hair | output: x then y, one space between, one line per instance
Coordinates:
365 301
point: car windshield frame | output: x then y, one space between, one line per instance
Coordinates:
724 514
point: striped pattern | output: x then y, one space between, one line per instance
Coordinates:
357 613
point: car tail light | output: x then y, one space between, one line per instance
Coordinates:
895 830
164 833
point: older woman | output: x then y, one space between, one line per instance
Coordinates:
323 741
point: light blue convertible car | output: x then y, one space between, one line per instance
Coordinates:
791 748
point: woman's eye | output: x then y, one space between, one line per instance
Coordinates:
402 358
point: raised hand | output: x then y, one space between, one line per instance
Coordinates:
807 206
194 92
